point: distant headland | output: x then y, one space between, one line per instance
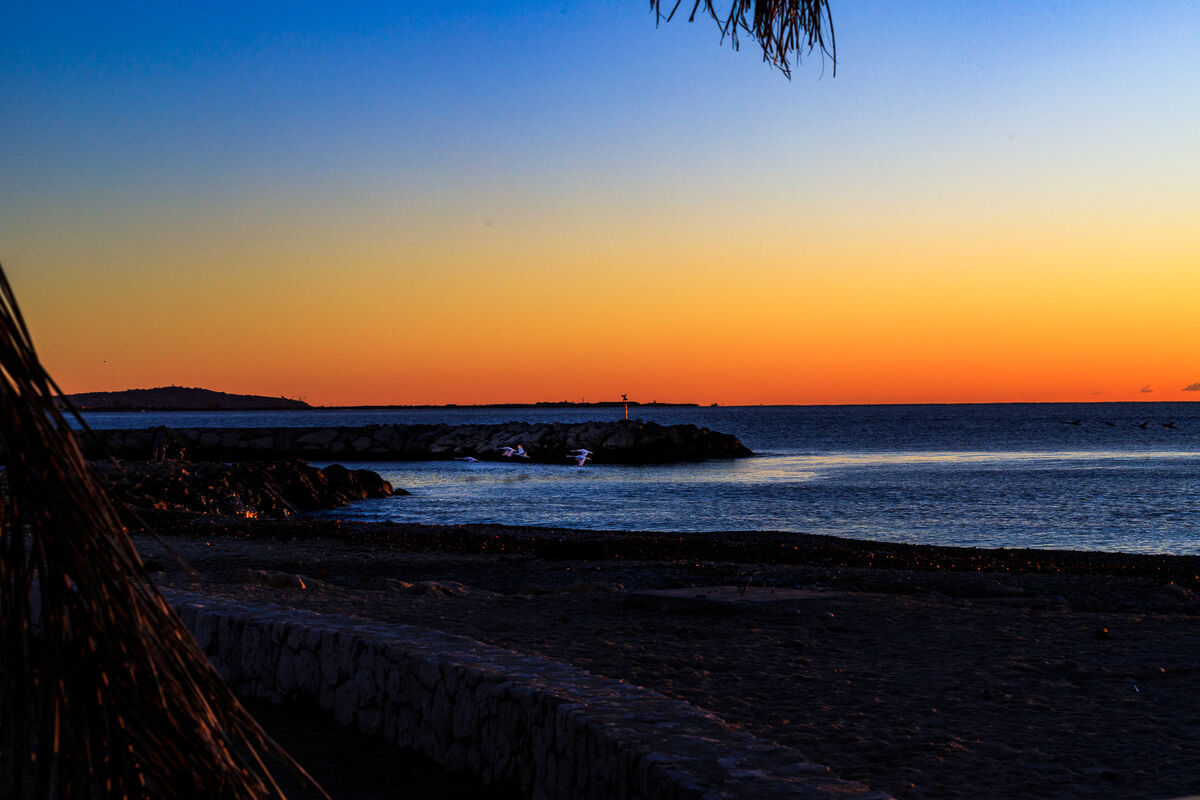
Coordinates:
180 398
540 404
183 398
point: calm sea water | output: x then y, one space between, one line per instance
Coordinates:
1122 477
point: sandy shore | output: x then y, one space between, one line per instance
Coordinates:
923 672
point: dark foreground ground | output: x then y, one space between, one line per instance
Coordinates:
923 672
352 766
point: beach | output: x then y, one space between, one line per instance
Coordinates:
922 672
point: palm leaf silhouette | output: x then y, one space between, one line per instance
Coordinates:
103 691
785 29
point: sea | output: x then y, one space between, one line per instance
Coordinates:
1091 476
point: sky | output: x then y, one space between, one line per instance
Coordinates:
402 203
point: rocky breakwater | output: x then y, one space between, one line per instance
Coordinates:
276 490
619 442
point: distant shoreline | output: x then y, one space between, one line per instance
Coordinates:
540 404
180 398
431 406
631 404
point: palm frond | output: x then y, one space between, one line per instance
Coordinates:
103 691
786 29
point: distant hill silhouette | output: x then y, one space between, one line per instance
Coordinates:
179 398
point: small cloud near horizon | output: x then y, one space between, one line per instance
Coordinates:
1195 387
1146 389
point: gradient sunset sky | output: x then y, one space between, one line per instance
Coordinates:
518 201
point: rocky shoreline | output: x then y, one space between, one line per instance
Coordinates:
619 442
1170 581
278 489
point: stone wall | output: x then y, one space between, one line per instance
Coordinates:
550 729
620 442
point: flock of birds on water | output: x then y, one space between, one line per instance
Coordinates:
580 456
1166 426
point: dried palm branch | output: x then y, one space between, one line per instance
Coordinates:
786 29
103 693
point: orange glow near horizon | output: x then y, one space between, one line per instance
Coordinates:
887 317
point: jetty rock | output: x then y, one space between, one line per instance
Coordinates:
618 442
277 489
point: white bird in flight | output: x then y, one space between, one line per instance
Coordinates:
471 459
581 456
509 452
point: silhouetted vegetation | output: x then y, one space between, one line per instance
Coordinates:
786 29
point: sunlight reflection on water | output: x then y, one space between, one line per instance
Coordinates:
1111 500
